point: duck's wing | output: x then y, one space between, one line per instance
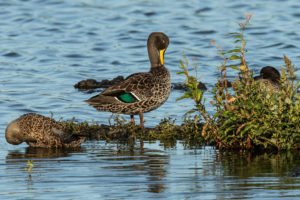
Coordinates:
134 88
135 83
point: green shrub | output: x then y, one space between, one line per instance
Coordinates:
248 116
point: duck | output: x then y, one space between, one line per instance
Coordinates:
270 77
40 131
140 92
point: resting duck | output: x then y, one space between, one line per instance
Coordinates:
270 77
39 131
139 92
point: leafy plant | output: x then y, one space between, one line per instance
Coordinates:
193 92
248 116
29 168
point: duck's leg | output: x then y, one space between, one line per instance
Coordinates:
142 126
132 119
141 120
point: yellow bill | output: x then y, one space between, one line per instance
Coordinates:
161 56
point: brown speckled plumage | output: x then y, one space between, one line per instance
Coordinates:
149 89
270 78
39 131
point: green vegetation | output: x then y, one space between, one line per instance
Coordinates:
248 117
30 166
123 131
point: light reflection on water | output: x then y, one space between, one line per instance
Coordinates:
48 46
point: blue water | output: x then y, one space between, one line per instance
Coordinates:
48 46
114 171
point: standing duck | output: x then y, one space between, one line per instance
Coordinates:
139 92
270 77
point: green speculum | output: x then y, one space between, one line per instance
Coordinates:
127 98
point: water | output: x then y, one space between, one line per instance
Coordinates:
114 171
48 46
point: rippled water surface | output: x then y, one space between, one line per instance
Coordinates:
48 46
114 171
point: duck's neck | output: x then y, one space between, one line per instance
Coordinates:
153 55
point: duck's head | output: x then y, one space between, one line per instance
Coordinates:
270 77
13 134
157 44
270 73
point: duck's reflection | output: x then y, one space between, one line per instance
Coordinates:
35 153
146 169
17 163
136 168
157 173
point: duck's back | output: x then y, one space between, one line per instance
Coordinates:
138 93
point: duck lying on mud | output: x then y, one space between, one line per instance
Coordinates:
39 131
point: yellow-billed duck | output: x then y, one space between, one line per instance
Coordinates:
39 131
270 77
140 92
